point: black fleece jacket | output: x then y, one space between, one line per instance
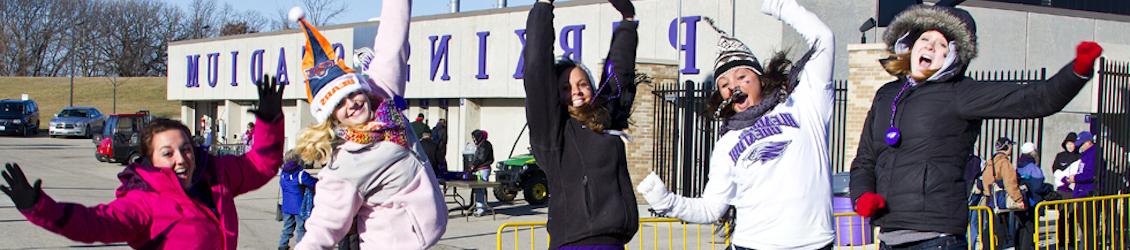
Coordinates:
592 201
921 178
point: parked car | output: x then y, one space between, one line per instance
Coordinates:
120 139
20 117
76 121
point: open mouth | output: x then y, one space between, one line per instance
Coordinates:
925 61
181 172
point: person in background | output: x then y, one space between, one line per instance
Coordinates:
248 137
178 197
439 135
1029 175
1084 184
1066 157
296 186
1002 174
431 149
420 125
480 166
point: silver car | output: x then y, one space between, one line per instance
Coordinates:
76 121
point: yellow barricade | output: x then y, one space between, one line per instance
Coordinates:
860 234
1086 223
670 233
654 233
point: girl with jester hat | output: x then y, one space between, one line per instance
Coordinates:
907 174
376 176
771 162
575 133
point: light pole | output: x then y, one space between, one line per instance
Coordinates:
72 63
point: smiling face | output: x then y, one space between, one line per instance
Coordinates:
578 91
743 79
172 149
928 54
354 109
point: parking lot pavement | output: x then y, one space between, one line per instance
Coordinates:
70 173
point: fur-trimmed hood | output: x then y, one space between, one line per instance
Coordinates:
955 24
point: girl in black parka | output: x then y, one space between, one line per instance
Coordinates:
573 134
907 174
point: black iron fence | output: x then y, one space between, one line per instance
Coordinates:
1019 130
837 142
1112 127
684 137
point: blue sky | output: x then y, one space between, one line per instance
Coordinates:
357 10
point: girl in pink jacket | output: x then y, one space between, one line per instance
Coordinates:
376 177
179 197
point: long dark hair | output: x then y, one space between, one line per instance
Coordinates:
593 114
773 81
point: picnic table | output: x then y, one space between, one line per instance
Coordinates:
465 207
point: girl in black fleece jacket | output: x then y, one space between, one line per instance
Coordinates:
592 205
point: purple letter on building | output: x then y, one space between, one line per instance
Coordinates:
192 72
518 71
234 62
213 69
280 71
256 66
575 49
438 55
691 23
482 55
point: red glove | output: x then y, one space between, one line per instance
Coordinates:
1085 55
869 203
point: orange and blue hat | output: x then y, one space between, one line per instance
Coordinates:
328 79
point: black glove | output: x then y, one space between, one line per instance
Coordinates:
625 8
270 98
23 195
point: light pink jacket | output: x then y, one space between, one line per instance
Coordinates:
388 189
152 211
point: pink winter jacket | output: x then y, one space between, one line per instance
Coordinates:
152 211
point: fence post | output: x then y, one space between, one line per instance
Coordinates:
688 135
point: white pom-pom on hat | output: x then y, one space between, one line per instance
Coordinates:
1028 147
296 13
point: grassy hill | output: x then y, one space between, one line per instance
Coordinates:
52 94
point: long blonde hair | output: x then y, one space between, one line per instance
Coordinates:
315 144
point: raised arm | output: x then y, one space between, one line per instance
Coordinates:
817 74
622 55
1033 100
544 112
247 172
390 48
121 220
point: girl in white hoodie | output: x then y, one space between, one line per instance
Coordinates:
771 162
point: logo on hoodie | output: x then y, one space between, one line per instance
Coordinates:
767 126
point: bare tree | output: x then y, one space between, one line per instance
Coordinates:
281 21
243 22
322 12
